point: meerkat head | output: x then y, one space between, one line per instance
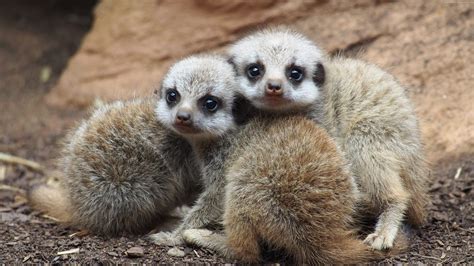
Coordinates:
196 97
278 69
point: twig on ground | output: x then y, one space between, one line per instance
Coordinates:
71 251
10 159
50 217
458 173
10 188
3 172
426 257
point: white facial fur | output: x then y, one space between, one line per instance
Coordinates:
277 50
195 79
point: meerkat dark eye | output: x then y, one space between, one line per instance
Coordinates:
211 104
254 71
295 74
172 96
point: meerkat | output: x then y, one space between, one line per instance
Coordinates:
362 107
289 187
196 101
282 181
123 172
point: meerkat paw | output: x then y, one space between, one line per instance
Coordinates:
208 239
380 241
197 236
166 239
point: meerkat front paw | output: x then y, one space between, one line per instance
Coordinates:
166 239
379 241
196 236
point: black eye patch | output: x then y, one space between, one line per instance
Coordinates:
172 96
254 71
319 75
210 104
295 73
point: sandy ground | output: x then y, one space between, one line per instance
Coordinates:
33 53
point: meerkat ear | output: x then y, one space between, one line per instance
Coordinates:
230 60
319 75
242 110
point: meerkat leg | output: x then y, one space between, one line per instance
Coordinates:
207 210
393 198
376 166
208 239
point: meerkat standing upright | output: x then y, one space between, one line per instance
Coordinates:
364 108
123 172
287 183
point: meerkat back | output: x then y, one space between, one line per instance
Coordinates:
288 186
124 171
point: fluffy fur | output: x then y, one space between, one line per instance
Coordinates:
288 187
123 171
364 108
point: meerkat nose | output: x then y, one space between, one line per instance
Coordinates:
274 88
183 118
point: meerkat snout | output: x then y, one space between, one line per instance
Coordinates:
274 87
183 118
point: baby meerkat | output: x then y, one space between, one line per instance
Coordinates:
285 182
289 187
123 172
196 101
364 108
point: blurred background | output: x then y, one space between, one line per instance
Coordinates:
58 56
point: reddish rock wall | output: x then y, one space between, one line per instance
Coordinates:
429 46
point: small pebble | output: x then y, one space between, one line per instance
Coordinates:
112 253
176 252
135 252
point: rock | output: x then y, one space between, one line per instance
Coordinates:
176 252
133 42
135 252
114 254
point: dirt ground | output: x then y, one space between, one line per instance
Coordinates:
33 53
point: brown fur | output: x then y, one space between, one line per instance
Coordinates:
123 171
287 186
51 200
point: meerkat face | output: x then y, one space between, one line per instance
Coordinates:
278 70
196 97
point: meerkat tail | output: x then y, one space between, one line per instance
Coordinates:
354 251
52 201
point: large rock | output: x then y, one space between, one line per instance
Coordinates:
429 46
133 42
